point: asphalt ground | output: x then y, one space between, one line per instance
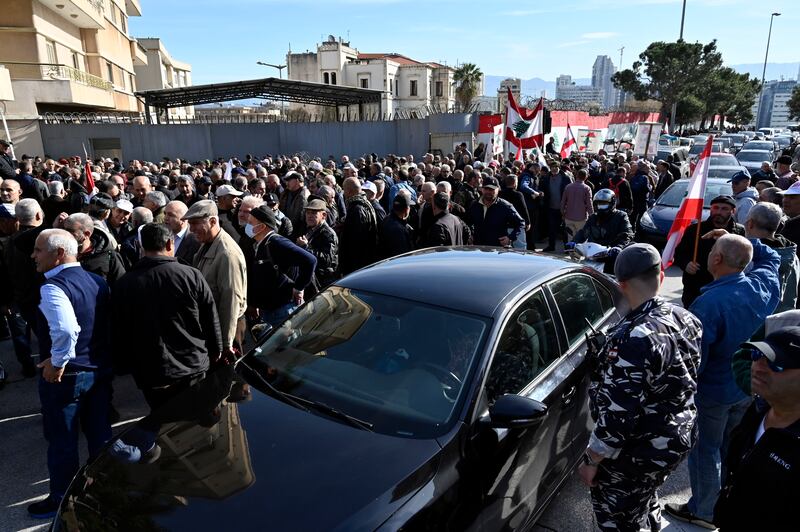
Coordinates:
23 465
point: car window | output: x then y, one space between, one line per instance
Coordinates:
528 344
673 196
754 156
577 301
606 299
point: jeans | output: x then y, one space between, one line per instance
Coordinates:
276 317
82 399
20 324
715 422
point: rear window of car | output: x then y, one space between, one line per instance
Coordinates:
673 196
752 156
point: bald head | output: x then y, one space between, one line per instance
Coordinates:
730 254
10 191
141 187
173 213
351 187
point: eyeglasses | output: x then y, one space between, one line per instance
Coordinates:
756 355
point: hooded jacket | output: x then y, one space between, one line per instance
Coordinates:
745 200
102 259
788 272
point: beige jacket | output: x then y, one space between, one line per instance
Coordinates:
222 264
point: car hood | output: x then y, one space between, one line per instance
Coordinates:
663 216
253 464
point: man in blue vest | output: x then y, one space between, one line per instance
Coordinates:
75 388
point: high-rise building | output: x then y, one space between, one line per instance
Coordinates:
566 89
773 108
515 84
602 71
67 56
162 71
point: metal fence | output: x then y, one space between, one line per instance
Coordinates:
55 71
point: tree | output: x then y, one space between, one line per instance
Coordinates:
729 94
794 104
669 71
468 80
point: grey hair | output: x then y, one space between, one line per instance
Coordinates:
736 251
81 221
326 191
217 172
55 239
55 188
141 216
186 179
252 201
765 216
773 195
446 186
27 209
158 197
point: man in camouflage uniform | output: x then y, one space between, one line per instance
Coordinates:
642 398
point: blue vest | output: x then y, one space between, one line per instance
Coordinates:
89 295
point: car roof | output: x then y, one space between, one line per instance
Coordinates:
473 279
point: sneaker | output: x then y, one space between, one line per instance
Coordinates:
682 513
44 509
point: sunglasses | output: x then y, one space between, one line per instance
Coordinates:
756 355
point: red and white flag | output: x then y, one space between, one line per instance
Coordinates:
666 127
691 208
524 127
570 144
88 169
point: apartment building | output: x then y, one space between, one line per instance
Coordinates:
67 56
162 71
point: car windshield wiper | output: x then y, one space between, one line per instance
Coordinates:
274 392
322 407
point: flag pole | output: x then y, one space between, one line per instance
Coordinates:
696 240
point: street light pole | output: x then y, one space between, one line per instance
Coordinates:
764 72
680 38
280 76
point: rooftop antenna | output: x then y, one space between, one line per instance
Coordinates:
622 49
348 36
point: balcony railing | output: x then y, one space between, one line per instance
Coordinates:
48 71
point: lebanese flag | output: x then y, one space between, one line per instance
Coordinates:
524 127
570 144
691 208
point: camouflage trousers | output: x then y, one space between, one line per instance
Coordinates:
626 496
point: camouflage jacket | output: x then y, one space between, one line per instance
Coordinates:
643 397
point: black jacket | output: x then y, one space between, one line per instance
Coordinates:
397 237
516 199
426 218
276 268
24 290
622 189
172 311
685 251
324 245
762 483
614 230
358 239
229 224
102 259
446 230
7 167
188 248
500 217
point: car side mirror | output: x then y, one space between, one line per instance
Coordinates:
259 331
516 412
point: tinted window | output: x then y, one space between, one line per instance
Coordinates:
606 299
754 156
527 345
577 302
673 196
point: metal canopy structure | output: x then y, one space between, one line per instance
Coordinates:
274 89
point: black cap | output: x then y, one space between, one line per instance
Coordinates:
724 198
781 347
635 260
103 201
205 181
6 143
265 215
490 182
401 201
271 198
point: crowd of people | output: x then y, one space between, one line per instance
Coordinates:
195 251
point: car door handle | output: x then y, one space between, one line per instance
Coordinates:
569 395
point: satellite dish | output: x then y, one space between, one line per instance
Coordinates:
331 38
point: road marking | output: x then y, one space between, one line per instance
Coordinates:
20 417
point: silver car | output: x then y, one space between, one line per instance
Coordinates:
753 159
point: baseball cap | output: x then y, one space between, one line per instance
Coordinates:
724 198
490 182
227 190
316 205
369 185
270 198
124 205
5 142
293 175
265 215
781 347
793 190
401 201
739 176
201 209
635 260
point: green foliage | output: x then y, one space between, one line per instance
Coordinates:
794 104
468 80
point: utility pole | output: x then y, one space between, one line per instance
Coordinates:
764 72
680 38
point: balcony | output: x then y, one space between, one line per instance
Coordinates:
62 84
87 14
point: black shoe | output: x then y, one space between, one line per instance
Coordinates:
29 371
44 509
682 513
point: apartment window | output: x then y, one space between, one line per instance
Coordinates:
110 72
413 88
50 50
327 78
113 11
439 89
396 87
364 83
333 78
130 82
124 23
76 61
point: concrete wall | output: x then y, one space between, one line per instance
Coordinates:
202 141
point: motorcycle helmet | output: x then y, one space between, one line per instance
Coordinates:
604 201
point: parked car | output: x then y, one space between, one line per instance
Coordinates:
737 141
412 394
753 159
766 145
655 223
782 141
768 132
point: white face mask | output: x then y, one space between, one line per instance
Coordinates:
250 230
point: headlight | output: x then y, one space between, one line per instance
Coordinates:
647 221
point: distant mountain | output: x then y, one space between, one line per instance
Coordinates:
535 86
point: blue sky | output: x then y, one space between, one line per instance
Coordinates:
223 39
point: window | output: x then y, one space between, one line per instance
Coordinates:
76 61
124 23
413 88
364 83
333 78
130 81
110 72
113 12
578 302
396 87
439 89
527 345
50 50
326 78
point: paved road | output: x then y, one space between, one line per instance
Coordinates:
23 468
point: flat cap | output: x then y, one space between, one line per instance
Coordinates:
724 198
103 201
635 260
316 205
265 215
201 209
124 205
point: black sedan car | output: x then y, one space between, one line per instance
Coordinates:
441 390
655 223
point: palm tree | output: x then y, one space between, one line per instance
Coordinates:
468 80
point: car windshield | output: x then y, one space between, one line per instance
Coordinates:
737 139
759 145
782 141
673 196
753 156
723 160
398 365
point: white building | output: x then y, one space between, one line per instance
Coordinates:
580 94
774 111
602 71
407 84
162 71
515 84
